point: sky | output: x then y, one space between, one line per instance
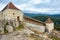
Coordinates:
35 6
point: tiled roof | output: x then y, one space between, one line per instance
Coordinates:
34 20
10 6
48 21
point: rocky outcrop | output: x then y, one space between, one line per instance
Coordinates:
8 25
1 30
22 35
9 28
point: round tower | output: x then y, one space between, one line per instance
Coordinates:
49 25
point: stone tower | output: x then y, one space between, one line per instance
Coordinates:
49 25
10 12
12 15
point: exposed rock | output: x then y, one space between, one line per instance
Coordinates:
17 23
9 28
20 35
14 23
1 30
29 32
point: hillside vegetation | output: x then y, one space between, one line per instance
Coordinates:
56 20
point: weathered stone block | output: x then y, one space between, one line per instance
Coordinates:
9 28
17 24
1 30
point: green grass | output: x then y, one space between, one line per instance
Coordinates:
54 38
20 27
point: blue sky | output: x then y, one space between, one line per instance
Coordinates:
32 6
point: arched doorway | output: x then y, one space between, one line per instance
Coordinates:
18 19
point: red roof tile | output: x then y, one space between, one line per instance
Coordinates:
10 6
33 20
48 21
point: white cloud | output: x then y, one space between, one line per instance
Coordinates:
35 1
40 10
39 1
30 6
44 10
46 1
22 6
